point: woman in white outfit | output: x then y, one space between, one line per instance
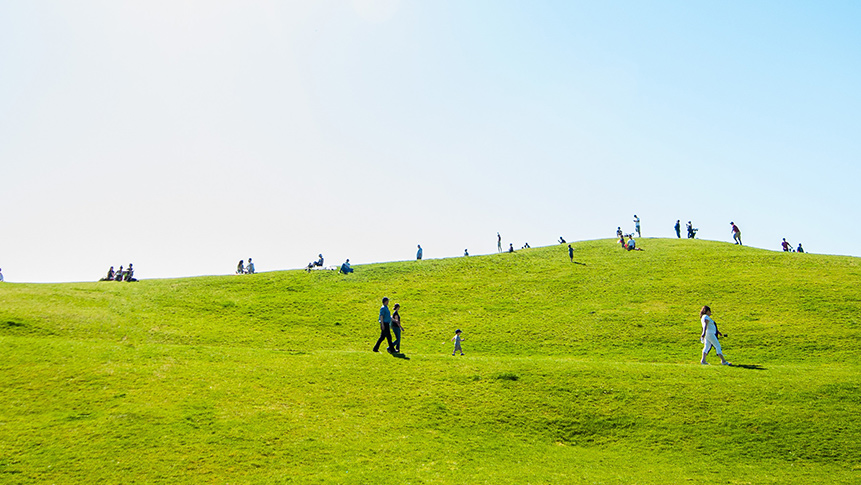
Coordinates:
709 336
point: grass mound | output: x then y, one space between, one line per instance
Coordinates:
573 373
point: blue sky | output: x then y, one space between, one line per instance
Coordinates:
185 136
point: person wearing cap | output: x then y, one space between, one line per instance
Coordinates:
736 234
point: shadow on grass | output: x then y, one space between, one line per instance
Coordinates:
749 366
399 355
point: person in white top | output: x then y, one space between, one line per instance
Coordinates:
709 336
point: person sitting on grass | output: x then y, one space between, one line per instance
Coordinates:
110 276
632 245
240 268
130 273
800 249
119 275
250 268
345 268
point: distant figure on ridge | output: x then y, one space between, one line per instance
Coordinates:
419 253
619 232
498 243
345 268
800 249
240 268
692 233
510 247
736 234
637 225
709 336
250 268
632 245
787 248
562 240
570 253
313 264
110 275
678 228
130 273
1 275
526 246
465 252
119 275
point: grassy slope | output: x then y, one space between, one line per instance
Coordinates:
573 373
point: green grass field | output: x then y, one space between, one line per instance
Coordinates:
573 373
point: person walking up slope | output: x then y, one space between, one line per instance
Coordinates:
736 234
709 336
385 323
457 339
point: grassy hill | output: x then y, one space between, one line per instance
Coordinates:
573 373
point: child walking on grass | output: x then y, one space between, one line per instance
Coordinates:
457 339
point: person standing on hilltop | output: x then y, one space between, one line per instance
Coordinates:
498 243
1 275
787 248
570 253
736 234
385 323
709 336
637 225
619 232
419 253
678 228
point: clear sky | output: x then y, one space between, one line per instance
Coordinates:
185 136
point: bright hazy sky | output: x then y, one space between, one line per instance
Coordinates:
185 136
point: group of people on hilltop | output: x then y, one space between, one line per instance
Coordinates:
787 248
630 245
121 275
689 227
243 268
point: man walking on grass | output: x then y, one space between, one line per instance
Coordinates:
385 322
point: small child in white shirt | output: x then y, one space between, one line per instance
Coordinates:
457 339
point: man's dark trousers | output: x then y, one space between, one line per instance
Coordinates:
385 333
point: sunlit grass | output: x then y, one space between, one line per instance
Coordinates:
572 374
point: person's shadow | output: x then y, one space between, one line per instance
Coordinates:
749 366
399 355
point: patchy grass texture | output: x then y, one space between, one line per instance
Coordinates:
573 373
